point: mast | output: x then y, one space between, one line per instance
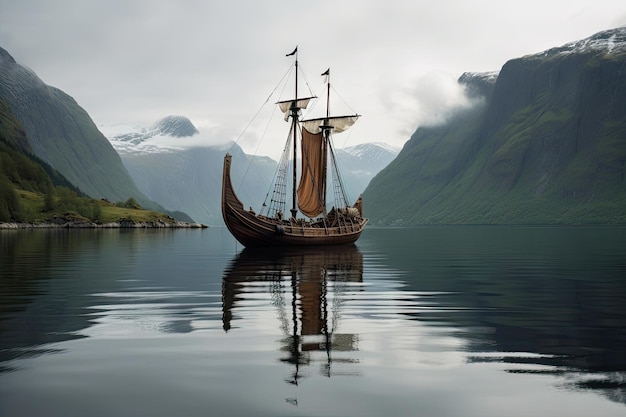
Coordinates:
290 108
327 74
294 121
326 143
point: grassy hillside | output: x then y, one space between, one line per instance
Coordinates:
67 207
29 195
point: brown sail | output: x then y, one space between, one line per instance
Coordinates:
312 190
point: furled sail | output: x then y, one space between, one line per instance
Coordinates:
312 187
337 124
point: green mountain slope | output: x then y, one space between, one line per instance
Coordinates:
31 191
546 145
62 134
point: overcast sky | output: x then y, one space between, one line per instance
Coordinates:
393 61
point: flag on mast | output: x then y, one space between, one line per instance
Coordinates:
326 74
293 53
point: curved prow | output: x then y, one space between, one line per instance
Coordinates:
229 197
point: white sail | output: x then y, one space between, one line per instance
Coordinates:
337 124
300 103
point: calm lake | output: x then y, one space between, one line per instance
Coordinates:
429 321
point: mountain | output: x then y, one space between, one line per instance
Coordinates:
190 179
360 163
187 179
34 193
177 126
130 139
62 134
15 146
545 143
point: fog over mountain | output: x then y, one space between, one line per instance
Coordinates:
170 167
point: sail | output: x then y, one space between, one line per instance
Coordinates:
312 188
300 103
337 123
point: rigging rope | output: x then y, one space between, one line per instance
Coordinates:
278 200
339 191
284 84
281 82
261 107
347 137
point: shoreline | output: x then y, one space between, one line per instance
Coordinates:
125 224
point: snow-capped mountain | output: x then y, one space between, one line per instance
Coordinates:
373 150
177 126
360 163
479 85
131 138
486 77
610 41
367 158
613 41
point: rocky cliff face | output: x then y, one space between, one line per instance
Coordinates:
62 134
546 145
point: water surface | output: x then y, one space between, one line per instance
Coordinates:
432 321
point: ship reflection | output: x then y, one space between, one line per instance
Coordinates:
306 287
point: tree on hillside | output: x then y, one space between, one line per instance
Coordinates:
10 208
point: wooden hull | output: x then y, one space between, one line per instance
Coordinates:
252 230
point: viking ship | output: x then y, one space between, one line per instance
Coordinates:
310 222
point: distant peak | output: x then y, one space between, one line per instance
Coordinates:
177 126
383 145
370 148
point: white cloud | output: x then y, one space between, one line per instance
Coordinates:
436 95
140 60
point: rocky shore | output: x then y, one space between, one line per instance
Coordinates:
121 224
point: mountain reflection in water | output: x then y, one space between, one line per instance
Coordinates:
306 287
